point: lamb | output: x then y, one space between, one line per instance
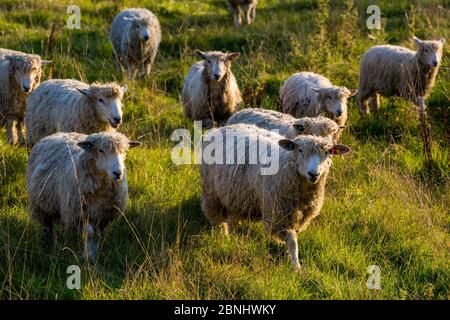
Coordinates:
288 126
210 90
135 36
306 94
73 106
286 201
79 181
20 74
240 7
396 71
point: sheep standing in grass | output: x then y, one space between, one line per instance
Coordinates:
242 7
210 90
286 201
20 74
306 94
397 71
72 106
79 181
287 125
135 35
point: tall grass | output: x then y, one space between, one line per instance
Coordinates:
383 205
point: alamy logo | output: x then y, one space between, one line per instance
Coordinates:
374 280
74 19
374 21
74 280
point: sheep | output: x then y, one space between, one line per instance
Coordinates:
286 201
210 91
72 106
20 74
396 71
306 94
135 36
287 125
79 181
242 7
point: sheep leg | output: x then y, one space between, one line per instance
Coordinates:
48 235
215 213
248 14
92 242
253 12
292 245
375 103
236 11
363 99
12 132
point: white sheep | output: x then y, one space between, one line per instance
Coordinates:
396 71
242 7
287 125
210 90
286 201
306 94
135 36
20 74
79 181
72 106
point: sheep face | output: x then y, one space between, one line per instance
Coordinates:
313 155
430 52
108 154
334 100
107 102
217 63
27 72
142 29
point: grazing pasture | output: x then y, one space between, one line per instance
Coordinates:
384 204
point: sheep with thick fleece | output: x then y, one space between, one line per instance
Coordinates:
210 90
286 201
307 94
135 36
20 74
287 125
73 106
396 71
79 181
242 7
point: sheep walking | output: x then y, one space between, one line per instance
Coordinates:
20 74
306 94
210 90
396 71
79 181
240 8
73 106
135 36
286 201
287 125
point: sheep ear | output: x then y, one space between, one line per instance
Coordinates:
233 55
44 62
124 88
287 144
353 92
342 127
442 40
84 91
200 54
417 41
339 149
86 145
134 144
299 127
315 90
127 19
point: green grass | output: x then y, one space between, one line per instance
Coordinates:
383 206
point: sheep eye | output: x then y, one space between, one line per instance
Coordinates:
17 68
101 151
329 98
137 27
300 150
101 100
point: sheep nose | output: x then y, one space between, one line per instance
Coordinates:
313 176
146 37
217 76
434 63
117 175
26 88
117 120
339 113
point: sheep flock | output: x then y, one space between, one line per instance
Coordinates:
76 174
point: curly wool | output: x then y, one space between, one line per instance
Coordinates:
57 105
65 185
287 125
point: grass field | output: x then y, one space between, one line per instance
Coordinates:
384 206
